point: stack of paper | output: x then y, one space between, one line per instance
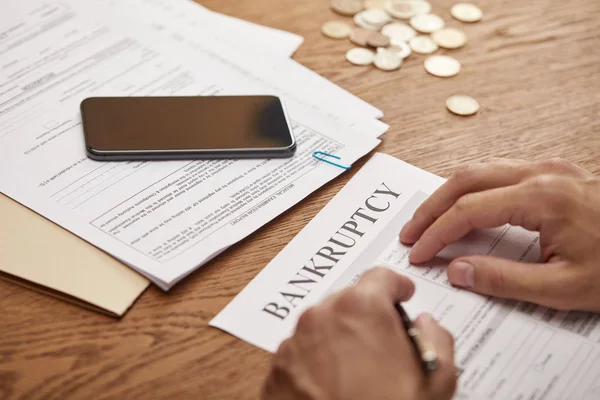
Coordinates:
164 219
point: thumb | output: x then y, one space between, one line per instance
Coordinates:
500 277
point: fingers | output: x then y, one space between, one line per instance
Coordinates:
477 178
384 283
550 285
443 379
487 209
468 179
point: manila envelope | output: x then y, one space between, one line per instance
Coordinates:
40 255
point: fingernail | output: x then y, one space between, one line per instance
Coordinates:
405 228
462 274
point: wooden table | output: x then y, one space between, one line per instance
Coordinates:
533 65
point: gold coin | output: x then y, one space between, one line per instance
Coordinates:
375 4
449 38
401 9
442 66
359 36
400 47
423 45
359 21
376 39
360 56
398 31
387 60
336 29
421 7
462 105
375 17
405 9
427 23
466 12
346 7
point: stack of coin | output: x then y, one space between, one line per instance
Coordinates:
385 32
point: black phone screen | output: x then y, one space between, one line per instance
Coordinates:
138 124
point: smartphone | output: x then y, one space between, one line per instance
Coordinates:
162 128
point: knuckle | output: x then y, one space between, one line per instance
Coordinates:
349 301
543 183
356 301
557 164
551 190
464 174
464 203
556 192
379 274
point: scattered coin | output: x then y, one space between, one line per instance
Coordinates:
423 45
401 9
462 105
427 23
442 66
359 36
359 21
375 4
394 40
376 39
422 7
375 17
360 56
387 60
346 7
449 38
466 12
401 48
336 29
399 31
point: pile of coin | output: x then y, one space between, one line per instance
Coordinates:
388 31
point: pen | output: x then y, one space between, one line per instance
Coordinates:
426 353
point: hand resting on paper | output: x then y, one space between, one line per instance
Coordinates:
555 198
353 346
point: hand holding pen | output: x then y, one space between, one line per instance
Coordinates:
354 345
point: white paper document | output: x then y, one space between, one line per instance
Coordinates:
162 218
231 31
190 24
504 349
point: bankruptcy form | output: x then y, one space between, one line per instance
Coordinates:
504 349
164 219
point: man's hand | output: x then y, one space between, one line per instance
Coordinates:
555 198
353 346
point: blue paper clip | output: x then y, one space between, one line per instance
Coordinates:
316 155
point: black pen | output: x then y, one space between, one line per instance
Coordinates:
426 353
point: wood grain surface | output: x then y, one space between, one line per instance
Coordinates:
533 65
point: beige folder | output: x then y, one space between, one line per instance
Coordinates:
41 255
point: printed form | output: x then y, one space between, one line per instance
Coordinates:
504 349
190 24
229 30
164 219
